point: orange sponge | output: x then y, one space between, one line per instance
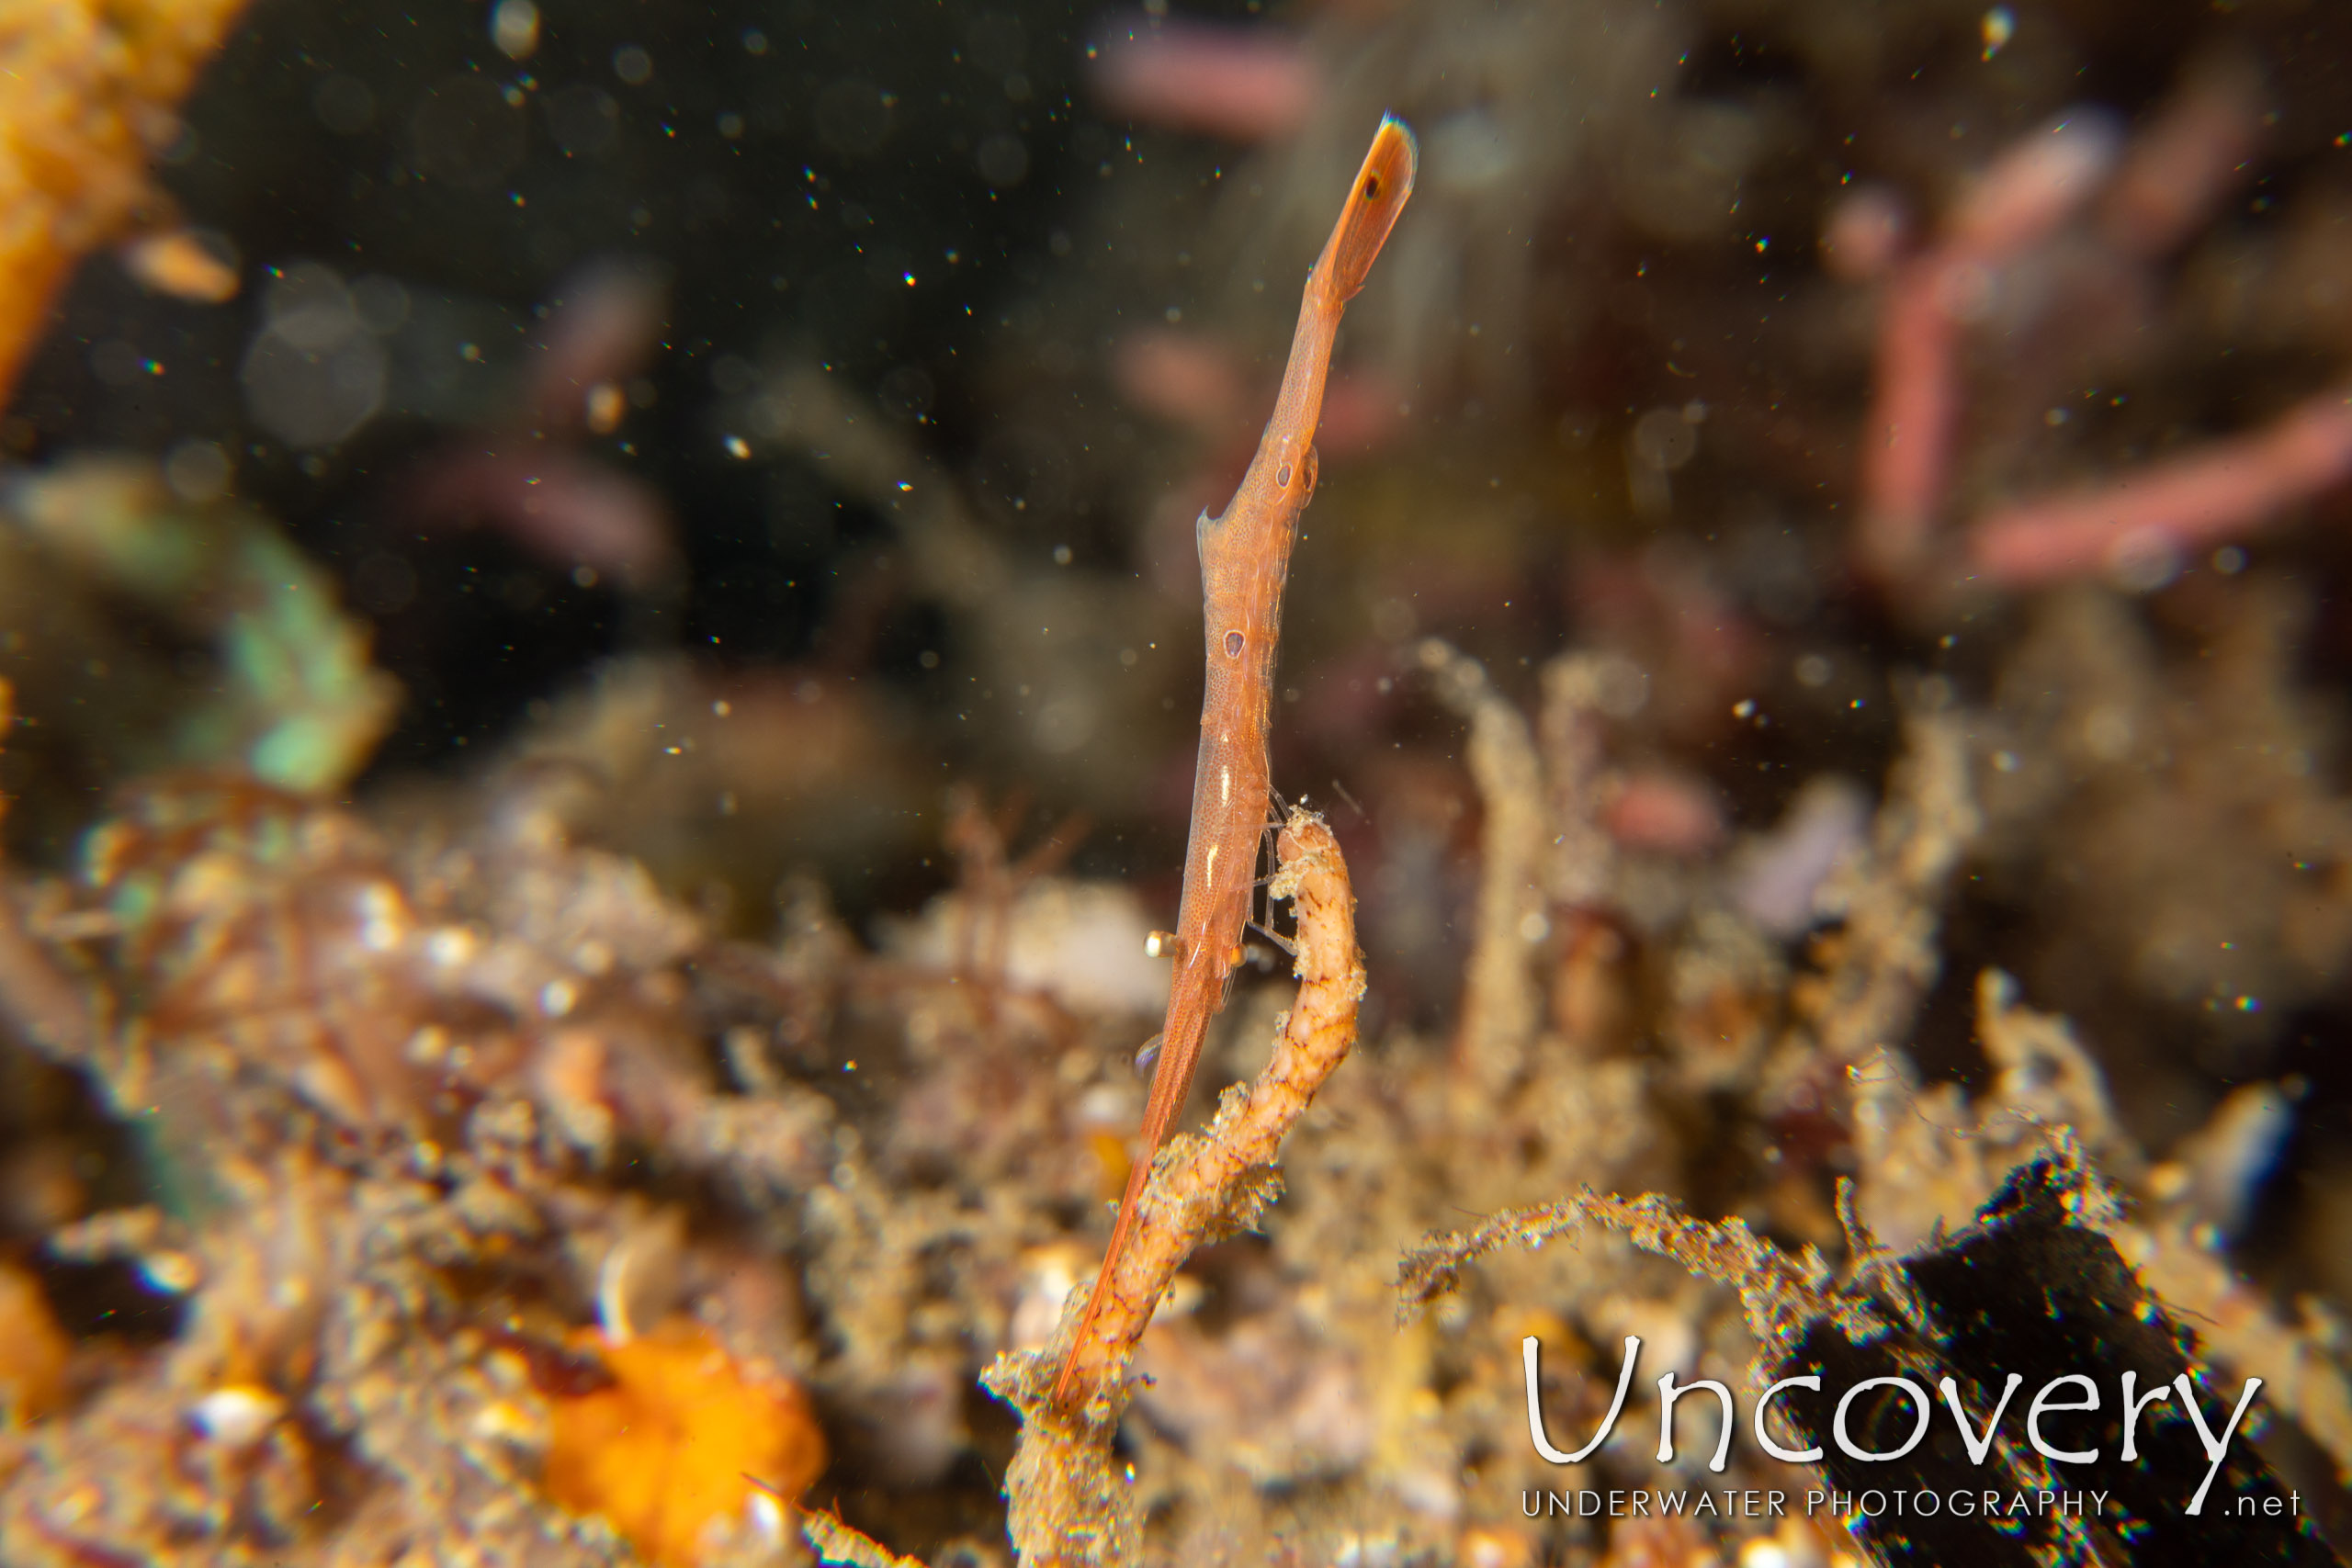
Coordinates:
662 1453
33 1351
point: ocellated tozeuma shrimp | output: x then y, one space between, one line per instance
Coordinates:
1245 559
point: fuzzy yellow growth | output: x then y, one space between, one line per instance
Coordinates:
91 90
836 1542
1068 1505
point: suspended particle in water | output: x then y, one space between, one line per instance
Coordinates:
197 264
607 404
464 133
514 28
583 118
198 471
344 105
1003 161
1999 27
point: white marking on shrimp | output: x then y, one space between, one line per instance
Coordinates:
1224 782
1208 868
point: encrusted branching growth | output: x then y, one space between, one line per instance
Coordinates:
1930 1158
1885 955
835 1541
1779 1294
2035 1282
1070 1503
1501 1006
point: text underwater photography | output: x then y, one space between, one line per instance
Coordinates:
1998 1507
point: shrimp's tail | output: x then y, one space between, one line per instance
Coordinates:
1373 203
1179 1048
1128 1206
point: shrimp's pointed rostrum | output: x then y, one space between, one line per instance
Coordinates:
1245 557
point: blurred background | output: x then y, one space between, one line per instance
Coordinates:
790 419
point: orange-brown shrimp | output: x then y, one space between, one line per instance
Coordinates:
1245 559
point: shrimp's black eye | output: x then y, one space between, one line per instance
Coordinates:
1282 477
1233 645
1372 188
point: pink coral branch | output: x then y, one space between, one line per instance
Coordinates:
2025 194
1668 813
1911 420
565 508
601 330
2215 495
2196 150
1183 377
2033 188
1242 84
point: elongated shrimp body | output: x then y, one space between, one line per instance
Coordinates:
1245 559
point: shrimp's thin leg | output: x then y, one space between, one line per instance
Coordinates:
1275 937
